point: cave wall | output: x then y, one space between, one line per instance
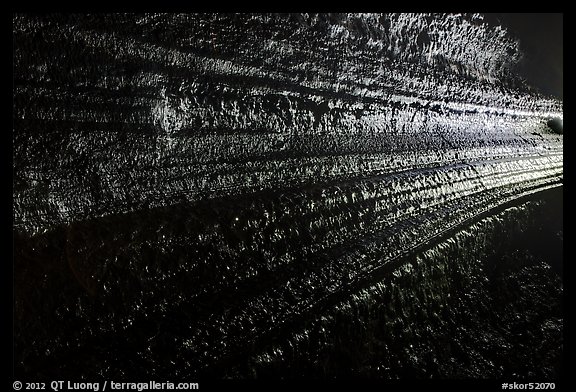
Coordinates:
200 183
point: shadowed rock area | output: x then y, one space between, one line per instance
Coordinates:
282 195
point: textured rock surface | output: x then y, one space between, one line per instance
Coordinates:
209 185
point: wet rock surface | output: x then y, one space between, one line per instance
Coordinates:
282 195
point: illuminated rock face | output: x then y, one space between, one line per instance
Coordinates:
214 185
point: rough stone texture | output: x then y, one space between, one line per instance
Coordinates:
189 188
